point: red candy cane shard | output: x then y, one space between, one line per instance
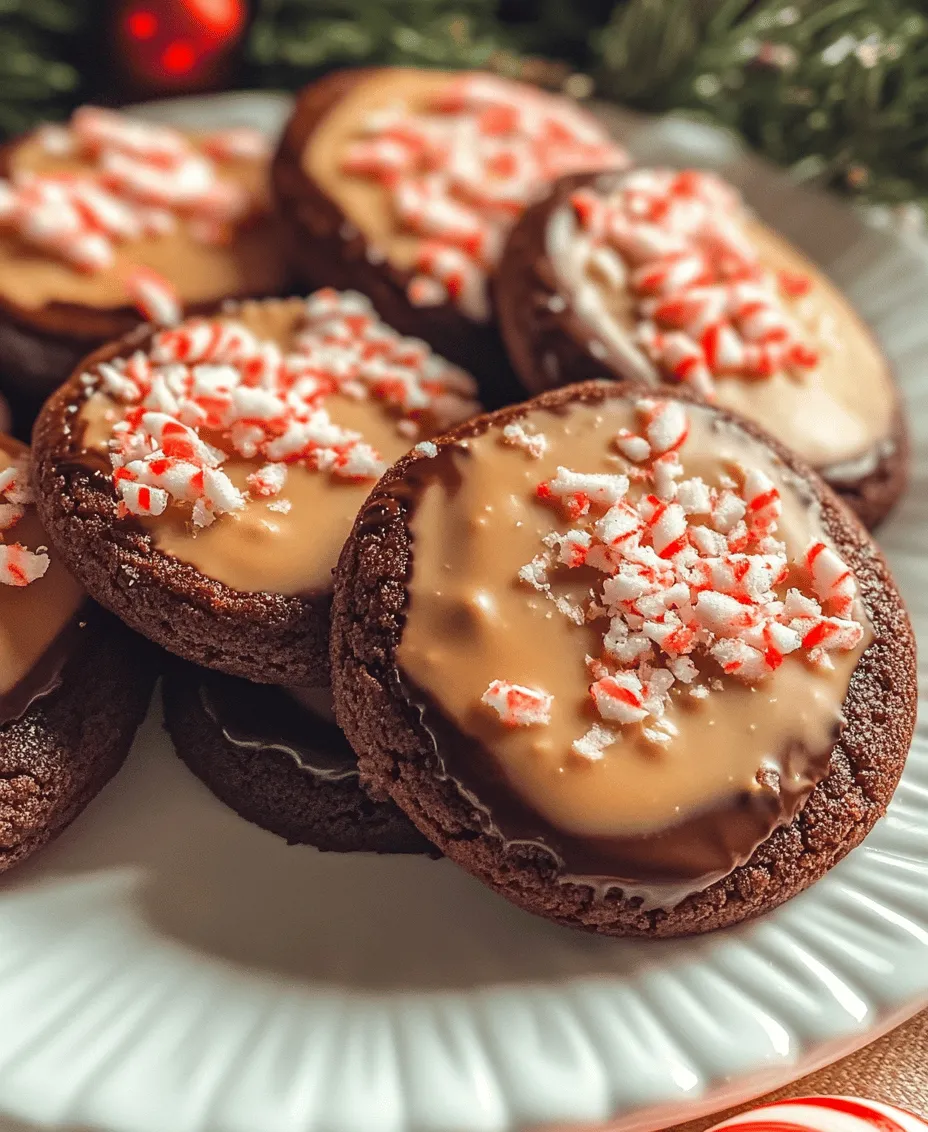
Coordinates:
19 566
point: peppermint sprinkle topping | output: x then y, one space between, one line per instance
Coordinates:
705 305
211 390
460 174
691 582
18 566
516 705
144 181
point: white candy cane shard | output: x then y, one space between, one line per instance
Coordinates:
592 746
268 480
619 698
155 297
597 487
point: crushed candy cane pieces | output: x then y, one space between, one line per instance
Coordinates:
695 585
154 297
210 390
18 565
706 307
462 171
142 180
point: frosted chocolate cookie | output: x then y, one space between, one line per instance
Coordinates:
277 757
110 221
663 276
403 183
626 660
74 683
200 481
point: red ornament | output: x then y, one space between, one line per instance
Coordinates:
170 46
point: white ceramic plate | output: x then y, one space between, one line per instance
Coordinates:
166 967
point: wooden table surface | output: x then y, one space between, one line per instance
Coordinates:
893 1069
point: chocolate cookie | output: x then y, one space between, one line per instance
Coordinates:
663 276
110 221
74 683
628 661
200 481
401 183
279 764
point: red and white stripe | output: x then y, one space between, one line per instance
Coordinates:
825 1114
518 706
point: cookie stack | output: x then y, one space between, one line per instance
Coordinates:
619 651
201 480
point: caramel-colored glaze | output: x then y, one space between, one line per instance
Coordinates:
262 549
471 621
31 617
362 199
252 262
838 412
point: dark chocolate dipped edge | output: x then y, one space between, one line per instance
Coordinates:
46 675
659 867
73 737
397 755
271 779
40 348
327 250
550 347
264 637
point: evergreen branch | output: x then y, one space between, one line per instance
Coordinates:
838 90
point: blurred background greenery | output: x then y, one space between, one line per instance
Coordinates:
837 90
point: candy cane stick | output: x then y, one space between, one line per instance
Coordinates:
825 1114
